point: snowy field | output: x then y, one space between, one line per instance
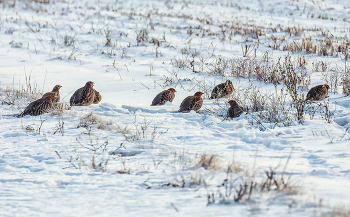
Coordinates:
123 157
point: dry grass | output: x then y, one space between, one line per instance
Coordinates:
29 91
249 67
340 212
20 95
346 84
242 185
209 162
96 158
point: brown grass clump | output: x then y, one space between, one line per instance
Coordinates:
209 161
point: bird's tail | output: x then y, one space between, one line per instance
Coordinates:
19 115
15 115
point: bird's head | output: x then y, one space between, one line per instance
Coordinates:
172 90
198 93
232 102
57 87
90 83
229 83
327 86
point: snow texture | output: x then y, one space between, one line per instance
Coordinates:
124 157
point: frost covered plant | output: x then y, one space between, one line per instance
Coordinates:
9 31
16 44
242 185
68 40
198 170
36 127
321 109
108 32
346 84
140 131
60 126
260 107
179 63
20 95
88 119
92 119
59 108
276 110
92 155
256 100
248 67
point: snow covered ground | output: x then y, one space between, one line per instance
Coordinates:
124 157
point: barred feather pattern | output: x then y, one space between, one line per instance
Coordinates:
234 111
191 103
97 98
317 93
163 97
38 107
55 94
223 90
84 96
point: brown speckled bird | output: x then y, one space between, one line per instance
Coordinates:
38 107
84 96
164 96
54 93
317 93
97 98
223 90
235 110
194 102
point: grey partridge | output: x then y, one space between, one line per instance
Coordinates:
98 97
223 90
38 107
164 96
54 93
317 93
84 96
235 110
194 102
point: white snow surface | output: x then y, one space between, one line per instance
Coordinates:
150 147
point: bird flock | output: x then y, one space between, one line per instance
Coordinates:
87 95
